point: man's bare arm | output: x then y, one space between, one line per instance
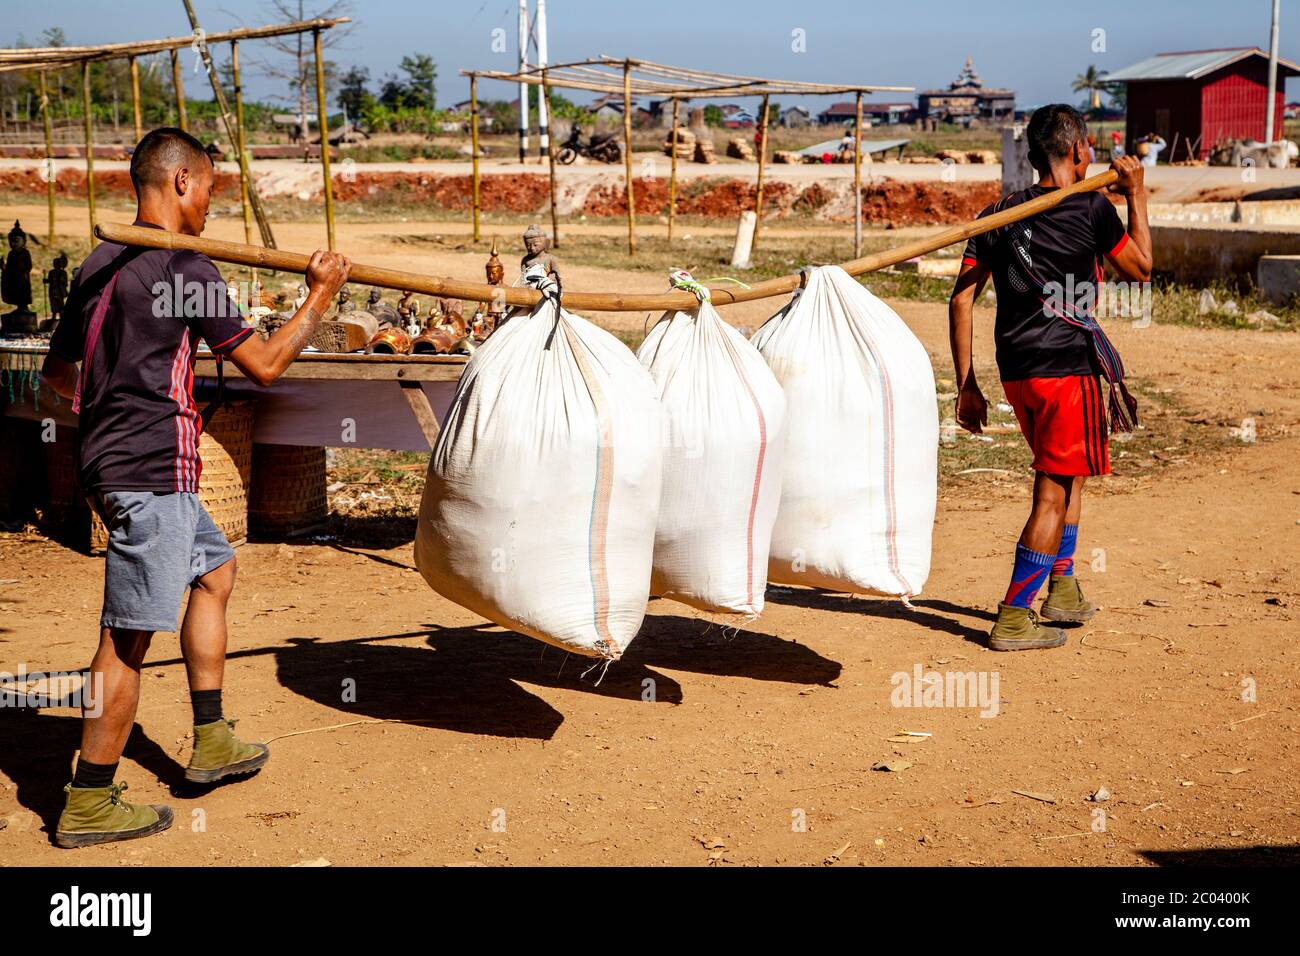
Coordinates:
1134 261
971 408
265 361
60 375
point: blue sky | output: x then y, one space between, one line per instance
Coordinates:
1035 48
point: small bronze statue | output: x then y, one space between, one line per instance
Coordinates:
381 310
494 312
16 284
407 306
538 245
56 283
345 301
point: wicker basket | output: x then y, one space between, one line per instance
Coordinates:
226 447
287 496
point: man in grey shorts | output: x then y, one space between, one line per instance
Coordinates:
133 321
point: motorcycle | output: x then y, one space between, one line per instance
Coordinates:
602 147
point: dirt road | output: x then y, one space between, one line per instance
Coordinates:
712 746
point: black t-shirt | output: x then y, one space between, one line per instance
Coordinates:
139 425
1053 257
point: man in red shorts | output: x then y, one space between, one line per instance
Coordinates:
1052 356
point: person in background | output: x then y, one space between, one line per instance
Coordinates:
1116 145
1154 144
1092 149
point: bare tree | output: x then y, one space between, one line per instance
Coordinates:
298 73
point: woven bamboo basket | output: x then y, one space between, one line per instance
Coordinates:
287 496
226 447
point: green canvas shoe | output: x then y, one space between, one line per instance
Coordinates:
1017 629
100 815
218 753
1065 601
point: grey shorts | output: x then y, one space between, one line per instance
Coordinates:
158 545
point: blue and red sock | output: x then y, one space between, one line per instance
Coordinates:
1027 576
1064 564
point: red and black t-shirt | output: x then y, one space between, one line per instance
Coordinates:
1050 260
139 424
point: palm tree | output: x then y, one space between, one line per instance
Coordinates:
1091 81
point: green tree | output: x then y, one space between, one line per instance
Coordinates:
354 95
1091 82
713 115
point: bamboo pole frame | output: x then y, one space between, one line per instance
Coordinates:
627 157
136 110
762 158
672 176
593 301
90 147
240 145
550 162
182 120
227 120
473 146
322 123
49 152
857 178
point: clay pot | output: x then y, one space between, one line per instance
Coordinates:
390 342
434 341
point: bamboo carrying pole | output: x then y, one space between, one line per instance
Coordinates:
181 119
762 157
227 120
243 151
672 175
550 161
323 125
857 180
473 146
592 301
135 98
627 156
90 147
49 152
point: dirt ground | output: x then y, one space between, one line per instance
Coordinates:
710 746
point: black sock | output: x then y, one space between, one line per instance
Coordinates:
207 706
89 776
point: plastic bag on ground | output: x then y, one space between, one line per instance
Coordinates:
862 437
542 492
724 414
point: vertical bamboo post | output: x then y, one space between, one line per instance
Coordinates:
473 146
323 126
627 157
550 158
181 119
857 180
90 147
135 99
672 175
762 158
49 152
240 142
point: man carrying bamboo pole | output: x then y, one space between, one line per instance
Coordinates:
133 321
1052 356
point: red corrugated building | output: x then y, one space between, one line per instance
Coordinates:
1197 99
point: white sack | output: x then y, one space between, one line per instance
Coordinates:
862 436
542 492
722 462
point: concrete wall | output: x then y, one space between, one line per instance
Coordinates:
1227 252
1271 212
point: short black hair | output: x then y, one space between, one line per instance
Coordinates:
1052 131
161 152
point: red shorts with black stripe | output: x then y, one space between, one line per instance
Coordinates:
1064 421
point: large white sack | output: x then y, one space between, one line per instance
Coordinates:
542 492
724 414
862 436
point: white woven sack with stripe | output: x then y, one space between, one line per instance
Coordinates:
724 415
542 492
862 439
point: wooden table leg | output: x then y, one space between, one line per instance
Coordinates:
423 411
